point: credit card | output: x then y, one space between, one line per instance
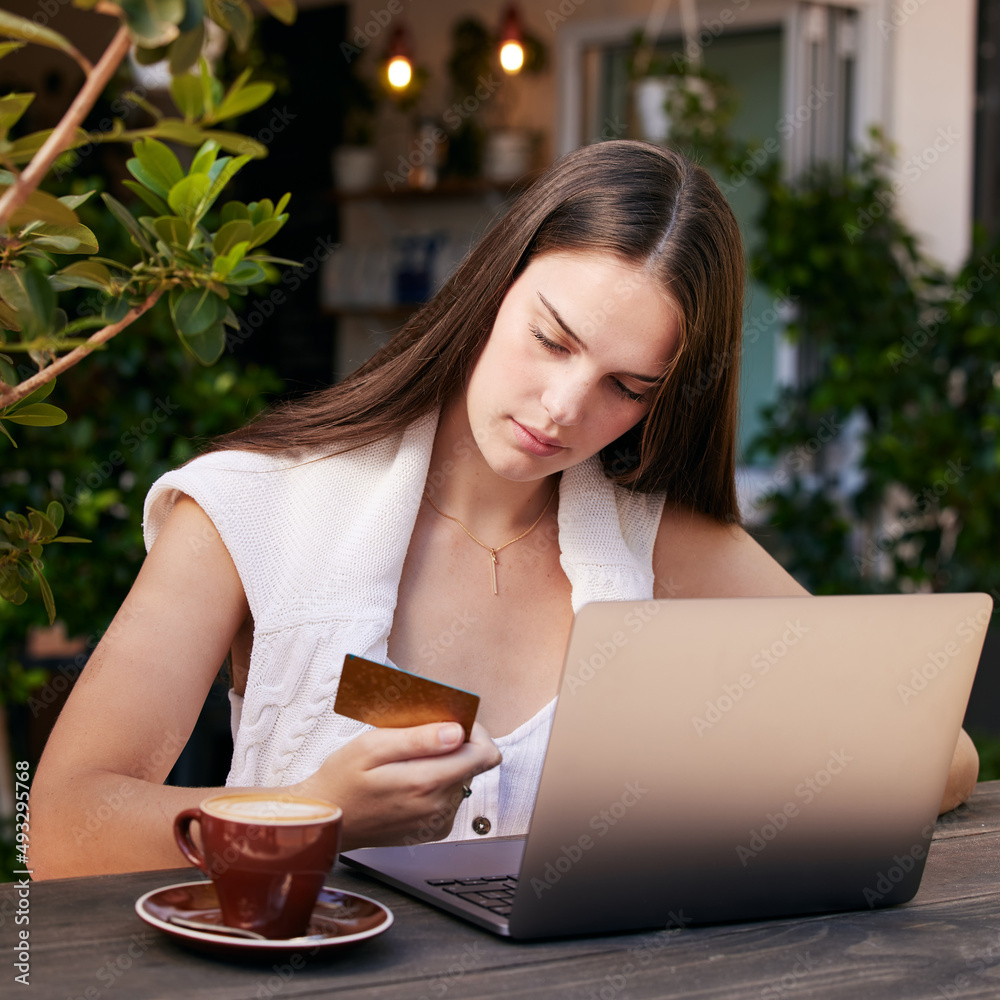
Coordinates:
384 696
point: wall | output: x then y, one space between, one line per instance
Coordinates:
931 118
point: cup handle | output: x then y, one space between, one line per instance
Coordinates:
182 834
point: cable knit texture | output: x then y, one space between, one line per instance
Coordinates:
319 546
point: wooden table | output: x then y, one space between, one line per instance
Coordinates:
86 941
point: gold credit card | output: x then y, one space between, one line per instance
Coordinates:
384 696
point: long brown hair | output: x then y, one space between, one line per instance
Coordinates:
650 207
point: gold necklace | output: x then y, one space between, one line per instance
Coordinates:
489 548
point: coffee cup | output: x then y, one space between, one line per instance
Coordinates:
268 855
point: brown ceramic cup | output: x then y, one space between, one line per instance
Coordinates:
267 854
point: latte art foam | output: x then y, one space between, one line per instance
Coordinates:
260 809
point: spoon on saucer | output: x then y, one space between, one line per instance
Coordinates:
239 932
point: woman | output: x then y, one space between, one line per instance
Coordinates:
540 435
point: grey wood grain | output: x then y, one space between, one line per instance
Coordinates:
86 941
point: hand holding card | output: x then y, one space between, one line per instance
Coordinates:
384 696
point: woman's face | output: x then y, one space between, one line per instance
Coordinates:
578 344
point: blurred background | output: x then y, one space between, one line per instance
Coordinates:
858 142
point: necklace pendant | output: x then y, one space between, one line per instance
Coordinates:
493 570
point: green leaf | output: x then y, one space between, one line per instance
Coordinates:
194 310
231 233
211 89
246 99
204 159
186 91
283 10
228 170
154 201
71 538
158 163
194 15
240 23
146 56
280 207
153 22
13 26
172 230
265 230
41 206
29 292
185 49
189 197
234 210
54 512
37 415
233 142
42 392
261 211
125 217
208 345
246 273
85 274
7 47
12 107
76 200
47 599
174 130
66 239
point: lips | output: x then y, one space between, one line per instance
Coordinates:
536 442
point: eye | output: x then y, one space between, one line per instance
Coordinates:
626 393
549 345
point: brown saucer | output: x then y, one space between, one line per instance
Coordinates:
341 918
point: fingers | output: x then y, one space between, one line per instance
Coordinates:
385 746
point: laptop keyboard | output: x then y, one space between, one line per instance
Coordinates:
492 892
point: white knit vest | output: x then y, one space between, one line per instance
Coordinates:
319 547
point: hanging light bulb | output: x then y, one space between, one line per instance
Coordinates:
511 41
400 66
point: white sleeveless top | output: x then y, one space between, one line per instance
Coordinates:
319 547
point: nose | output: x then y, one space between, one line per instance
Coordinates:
565 399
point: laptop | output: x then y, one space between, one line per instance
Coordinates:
716 760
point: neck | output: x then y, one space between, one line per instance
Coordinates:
463 485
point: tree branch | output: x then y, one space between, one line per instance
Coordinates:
13 394
64 133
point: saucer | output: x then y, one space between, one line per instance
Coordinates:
341 918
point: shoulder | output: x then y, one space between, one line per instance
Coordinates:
696 556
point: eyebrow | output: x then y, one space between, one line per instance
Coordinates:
651 379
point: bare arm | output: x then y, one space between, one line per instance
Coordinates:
695 556
98 803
